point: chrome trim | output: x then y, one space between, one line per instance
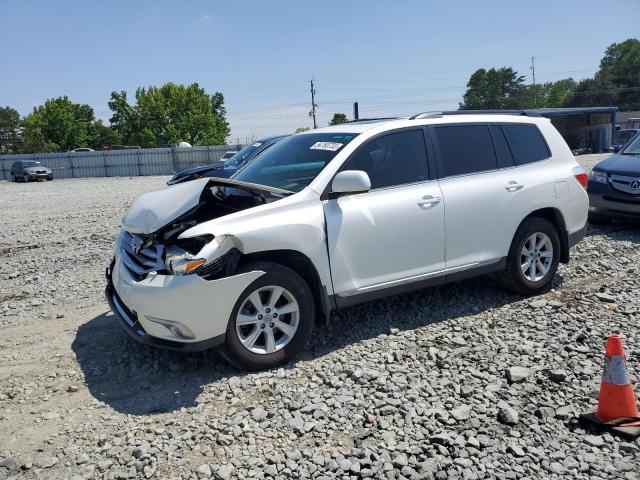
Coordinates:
137 258
416 278
623 183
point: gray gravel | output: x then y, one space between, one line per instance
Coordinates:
461 381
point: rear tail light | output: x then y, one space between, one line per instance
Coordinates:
581 176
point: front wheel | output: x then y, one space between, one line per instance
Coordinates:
272 320
533 257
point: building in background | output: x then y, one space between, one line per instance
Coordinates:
584 128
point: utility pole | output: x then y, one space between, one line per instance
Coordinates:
312 113
533 74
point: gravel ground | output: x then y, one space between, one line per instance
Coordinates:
461 381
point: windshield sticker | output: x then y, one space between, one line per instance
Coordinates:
329 146
257 144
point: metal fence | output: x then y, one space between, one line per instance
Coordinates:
119 163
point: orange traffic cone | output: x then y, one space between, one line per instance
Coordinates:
617 399
617 406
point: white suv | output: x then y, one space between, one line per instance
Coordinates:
341 215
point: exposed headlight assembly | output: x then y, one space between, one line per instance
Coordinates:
181 262
185 266
598 177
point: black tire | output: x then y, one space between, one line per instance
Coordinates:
598 220
513 278
281 276
25 178
13 178
49 179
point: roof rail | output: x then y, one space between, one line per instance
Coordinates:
375 119
426 115
526 113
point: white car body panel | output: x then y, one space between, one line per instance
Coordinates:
384 235
292 223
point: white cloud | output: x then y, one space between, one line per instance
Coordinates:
205 18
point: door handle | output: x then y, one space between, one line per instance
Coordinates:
428 200
513 186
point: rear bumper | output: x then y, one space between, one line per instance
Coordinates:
575 237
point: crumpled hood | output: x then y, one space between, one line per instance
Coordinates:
620 165
153 210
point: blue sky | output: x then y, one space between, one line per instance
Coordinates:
394 57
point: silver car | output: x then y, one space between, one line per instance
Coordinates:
27 170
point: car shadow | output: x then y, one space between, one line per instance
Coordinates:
141 380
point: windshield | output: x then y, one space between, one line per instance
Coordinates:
623 136
30 164
242 155
633 148
294 162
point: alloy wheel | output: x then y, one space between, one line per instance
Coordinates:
267 320
536 256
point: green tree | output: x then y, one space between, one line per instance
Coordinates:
58 125
547 95
302 129
170 114
338 118
617 81
103 135
9 130
494 89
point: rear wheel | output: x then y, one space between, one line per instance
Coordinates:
272 320
533 257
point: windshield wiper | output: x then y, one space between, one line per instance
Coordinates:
251 187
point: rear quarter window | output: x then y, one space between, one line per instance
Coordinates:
527 143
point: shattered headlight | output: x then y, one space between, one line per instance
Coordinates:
181 262
185 266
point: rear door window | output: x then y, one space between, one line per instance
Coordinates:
526 143
465 149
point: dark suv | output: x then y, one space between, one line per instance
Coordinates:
27 170
226 168
614 186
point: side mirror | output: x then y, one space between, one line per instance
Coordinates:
351 181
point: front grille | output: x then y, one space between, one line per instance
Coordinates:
140 261
41 171
624 183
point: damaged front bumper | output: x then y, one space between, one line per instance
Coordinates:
185 313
